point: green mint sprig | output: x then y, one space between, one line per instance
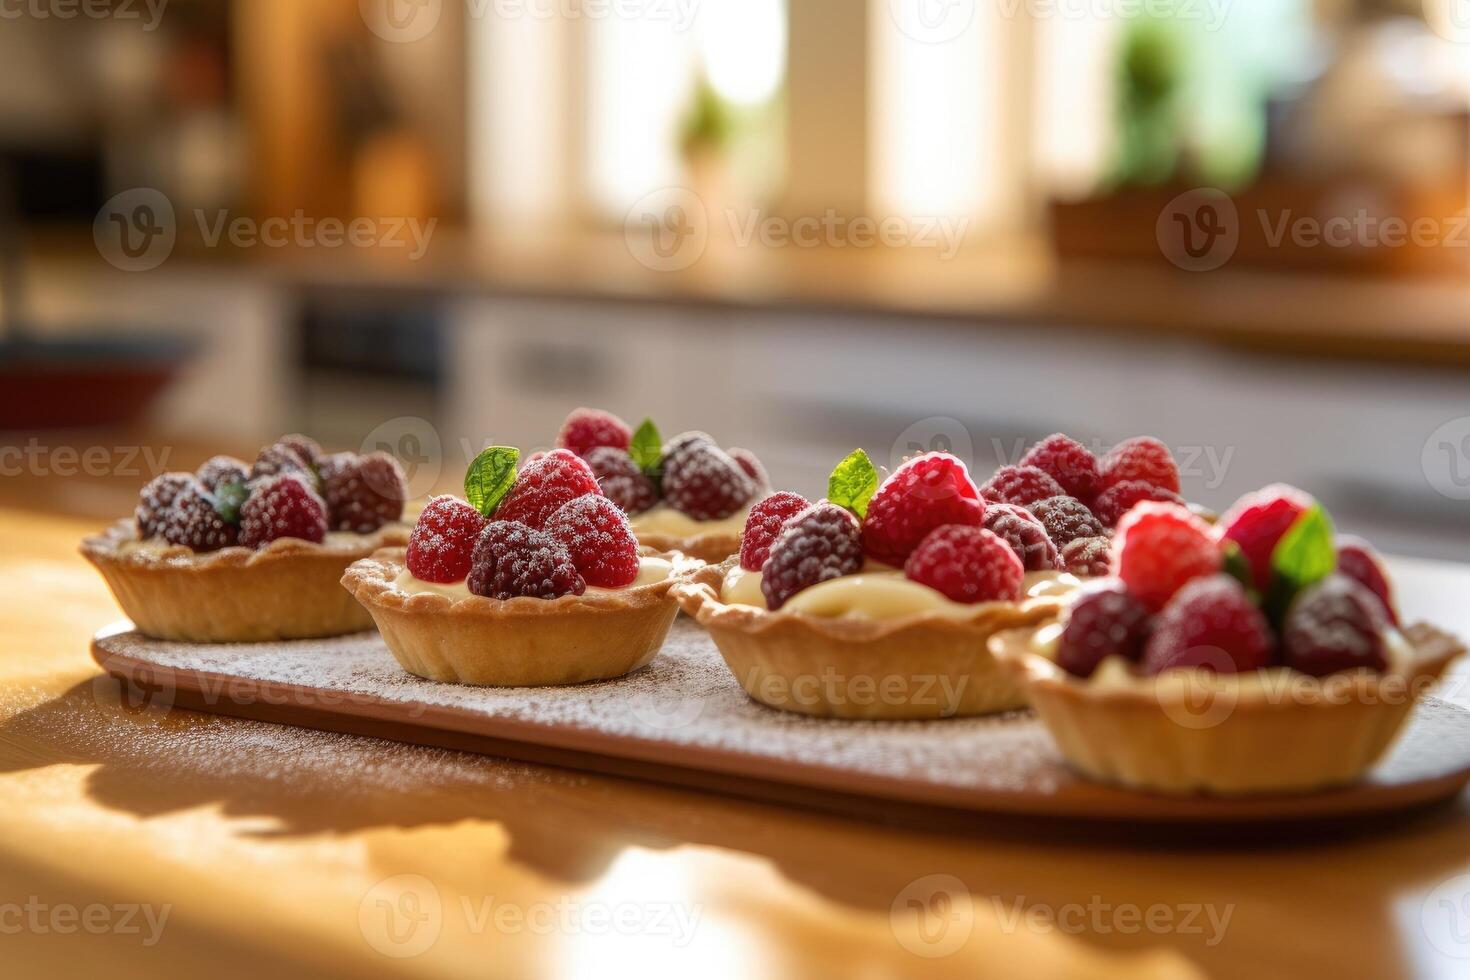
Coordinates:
490 478
1305 555
647 447
853 483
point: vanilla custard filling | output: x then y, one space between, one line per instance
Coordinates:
877 592
664 519
650 570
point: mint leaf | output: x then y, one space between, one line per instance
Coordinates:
853 483
647 446
490 478
1304 556
228 499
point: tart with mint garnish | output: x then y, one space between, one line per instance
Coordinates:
534 578
1261 655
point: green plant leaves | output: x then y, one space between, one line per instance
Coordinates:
228 499
647 447
1305 555
490 478
853 483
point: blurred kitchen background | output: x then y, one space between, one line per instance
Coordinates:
802 225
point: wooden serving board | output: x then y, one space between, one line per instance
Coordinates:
685 720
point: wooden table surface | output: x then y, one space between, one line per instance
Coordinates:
157 845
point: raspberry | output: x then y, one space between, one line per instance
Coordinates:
1211 624
1103 621
220 470
154 500
1066 519
1089 557
443 540
192 521
764 525
748 462
588 428
621 480
1068 462
1158 548
1120 498
1020 485
1017 527
306 447
512 560
1335 625
362 492
596 534
1144 459
822 542
967 564
926 492
280 458
1358 561
282 507
1257 521
543 485
702 481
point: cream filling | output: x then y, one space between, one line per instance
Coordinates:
877 592
157 546
650 570
664 519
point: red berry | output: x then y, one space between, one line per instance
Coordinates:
597 536
764 524
821 543
443 540
928 491
1067 461
702 481
1020 485
1089 557
220 470
1160 547
1120 498
621 480
282 507
1102 621
1358 561
1144 459
588 428
1211 624
513 560
362 492
1337 624
306 447
154 500
543 485
752 466
1017 527
280 458
1257 521
192 521
967 564
1066 519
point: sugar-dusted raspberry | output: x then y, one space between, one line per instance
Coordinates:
1337 624
822 542
1102 621
1020 529
588 428
282 506
621 480
1120 498
926 492
362 492
513 560
702 481
154 500
306 447
220 470
748 462
1020 485
1066 519
1257 521
192 521
543 485
1144 459
1088 557
1067 461
1212 624
1160 547
443 540
967 564
279 458
1358 561
764 525
597 536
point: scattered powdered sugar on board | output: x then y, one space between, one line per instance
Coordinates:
685 697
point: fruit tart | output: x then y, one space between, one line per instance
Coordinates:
877 601
238 552
535 578
1261 655
688 495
